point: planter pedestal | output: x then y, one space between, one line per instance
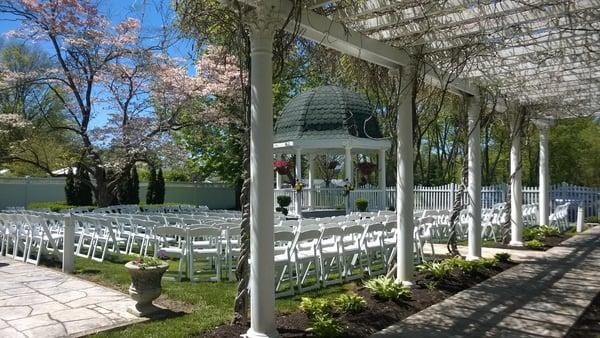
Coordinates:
145 287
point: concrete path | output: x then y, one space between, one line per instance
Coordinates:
543 298
39 302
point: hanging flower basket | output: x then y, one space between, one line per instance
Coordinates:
366 168
282 167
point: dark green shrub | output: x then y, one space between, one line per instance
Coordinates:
350 303
361 204
592 219
151 192
160 187
70 191
503 257
83 187
387 289
134 189
283 201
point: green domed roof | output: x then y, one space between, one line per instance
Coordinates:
327 111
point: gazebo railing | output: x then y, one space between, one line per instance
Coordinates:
440 197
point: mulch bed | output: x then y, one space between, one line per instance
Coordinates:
588 325
378 314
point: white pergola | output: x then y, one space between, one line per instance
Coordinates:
542 56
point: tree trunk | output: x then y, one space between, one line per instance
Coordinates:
104 196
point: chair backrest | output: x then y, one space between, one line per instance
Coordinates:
308 221
283 234
204 231
169 231
289 223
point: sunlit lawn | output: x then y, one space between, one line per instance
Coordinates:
212 302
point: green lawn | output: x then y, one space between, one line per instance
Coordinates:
212 303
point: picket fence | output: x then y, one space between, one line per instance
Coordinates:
441 197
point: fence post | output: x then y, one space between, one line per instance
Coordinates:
580 216
69 245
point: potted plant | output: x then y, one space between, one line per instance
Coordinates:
284 201
146 275
282 167
361 204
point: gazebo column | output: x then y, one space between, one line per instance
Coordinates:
543 126
262 294
474 172
404 181
311 178
348 164
278 180
381 162
298 174
516 193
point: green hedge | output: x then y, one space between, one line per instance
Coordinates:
58 206
55 206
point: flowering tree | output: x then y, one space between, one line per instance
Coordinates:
105 67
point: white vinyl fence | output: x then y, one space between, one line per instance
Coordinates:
442 197
19 192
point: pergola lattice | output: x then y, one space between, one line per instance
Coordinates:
543 56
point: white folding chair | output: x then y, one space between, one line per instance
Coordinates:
352 250
284 240
170 245
304 255
212 251
329 251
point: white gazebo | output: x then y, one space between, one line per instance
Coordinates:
329 120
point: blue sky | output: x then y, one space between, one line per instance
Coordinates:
152 13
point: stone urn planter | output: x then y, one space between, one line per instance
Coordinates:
145 285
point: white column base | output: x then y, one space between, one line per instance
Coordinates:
406 283
515 243
253 334
472 258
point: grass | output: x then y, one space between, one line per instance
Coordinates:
211 302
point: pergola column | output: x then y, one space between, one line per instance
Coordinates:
278 180
311 178
381 162
543 126
262 294
516 193
348 164
298 174
404 181
474 185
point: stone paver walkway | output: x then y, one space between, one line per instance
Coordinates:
542 298
39 302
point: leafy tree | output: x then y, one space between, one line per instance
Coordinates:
146 90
